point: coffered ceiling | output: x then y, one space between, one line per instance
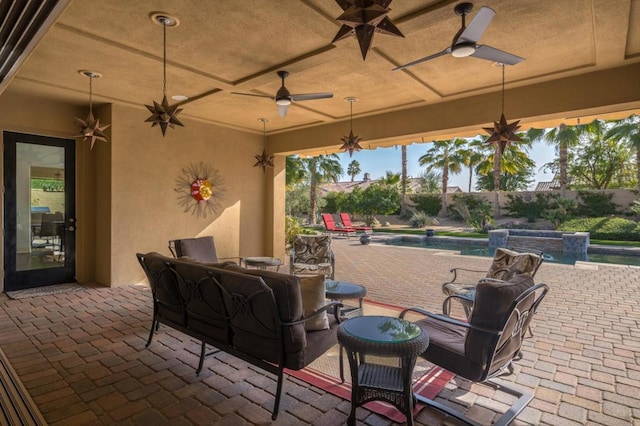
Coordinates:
224 46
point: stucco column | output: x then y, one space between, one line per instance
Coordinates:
275 209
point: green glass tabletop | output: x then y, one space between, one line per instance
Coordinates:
381 329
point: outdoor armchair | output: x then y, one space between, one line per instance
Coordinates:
486 346
312 254
506 264
200 249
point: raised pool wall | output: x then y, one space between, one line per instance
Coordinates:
546 241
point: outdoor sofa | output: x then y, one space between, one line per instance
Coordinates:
269 319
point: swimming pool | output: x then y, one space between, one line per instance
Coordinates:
468 248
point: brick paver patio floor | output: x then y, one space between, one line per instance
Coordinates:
82 357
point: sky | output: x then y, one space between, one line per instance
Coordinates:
377 162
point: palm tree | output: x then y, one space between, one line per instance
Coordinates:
446 156
513 160
472 156
562 138
628 129
353 169
390 178
321 169
403 182
295 171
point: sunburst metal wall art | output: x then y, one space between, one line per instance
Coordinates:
90 128
201 189
502 133
364 18
351 142
163 114
264 160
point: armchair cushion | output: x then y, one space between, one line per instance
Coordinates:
202 249
313 298
508 263
491 309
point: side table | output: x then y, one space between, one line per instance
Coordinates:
385 337
262 262
340 290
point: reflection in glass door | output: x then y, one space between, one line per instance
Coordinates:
39 179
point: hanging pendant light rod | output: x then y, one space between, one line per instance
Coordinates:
163 114
502 88
264 130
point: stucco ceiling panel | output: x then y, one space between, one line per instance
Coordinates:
633 41
125 76
228 45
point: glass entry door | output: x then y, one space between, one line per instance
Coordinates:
39 211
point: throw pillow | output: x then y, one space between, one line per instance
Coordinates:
313 298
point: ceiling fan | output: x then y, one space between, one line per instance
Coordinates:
465 41
284 98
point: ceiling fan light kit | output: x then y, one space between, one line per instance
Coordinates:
284 98
90 128
163 114
465 41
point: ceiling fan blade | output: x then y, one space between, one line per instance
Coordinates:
478 25
282 110
311 96
426 58
492 54
253 94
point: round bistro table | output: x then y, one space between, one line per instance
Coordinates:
385 337
340 290
262 262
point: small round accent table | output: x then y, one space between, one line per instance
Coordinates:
384 337
340 290
262 262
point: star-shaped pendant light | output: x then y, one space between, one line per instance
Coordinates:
162 114
364 18
351 142
90 128
502 133
264 160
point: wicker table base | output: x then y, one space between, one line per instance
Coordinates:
385 337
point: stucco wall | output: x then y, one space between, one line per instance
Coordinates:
145 213
126 198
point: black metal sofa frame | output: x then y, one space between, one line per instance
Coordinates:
254 315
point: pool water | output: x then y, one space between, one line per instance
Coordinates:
553 257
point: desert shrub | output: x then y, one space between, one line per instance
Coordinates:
429 204
532 209
595 204
419 220
605 228
562 210
635 208
470 203
292 228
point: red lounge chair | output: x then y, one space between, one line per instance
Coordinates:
330 226
346 222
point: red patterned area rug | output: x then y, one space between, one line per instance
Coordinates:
428 379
